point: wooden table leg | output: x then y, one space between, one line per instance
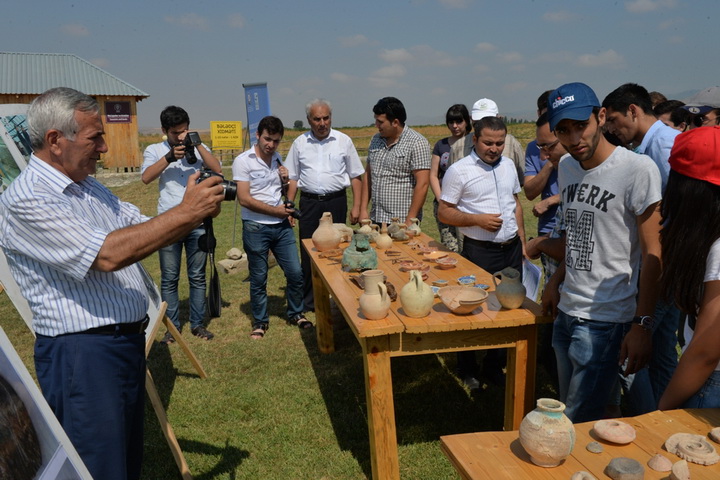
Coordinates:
520 380
323 317
381 409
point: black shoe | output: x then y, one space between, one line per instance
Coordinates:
203 333
168 339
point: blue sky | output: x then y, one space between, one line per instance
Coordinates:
429 53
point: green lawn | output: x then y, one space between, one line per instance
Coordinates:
277 408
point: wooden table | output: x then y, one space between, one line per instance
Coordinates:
487 327
499 455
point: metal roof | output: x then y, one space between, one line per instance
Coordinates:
33 73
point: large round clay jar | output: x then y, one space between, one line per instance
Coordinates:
326 237
416 297
374 302
547 434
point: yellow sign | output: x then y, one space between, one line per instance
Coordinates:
226 135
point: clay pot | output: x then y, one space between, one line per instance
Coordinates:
416 297
415 226
375 231
510 292
383 241
547 434
365 226
326 237
394 225
374 302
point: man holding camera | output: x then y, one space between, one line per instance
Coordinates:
173 161
268 218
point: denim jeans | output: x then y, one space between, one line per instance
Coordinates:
586 352
258 239
709 394
170 260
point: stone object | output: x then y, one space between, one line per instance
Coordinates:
583 475
614 431
374 302
623 468
462 300
325 237
383 241
346 233
234 254
546 434
510 291
594 447
693 448
680 471
359 255
231 267
416 297
715 434
660 463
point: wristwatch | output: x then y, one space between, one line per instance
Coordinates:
645 321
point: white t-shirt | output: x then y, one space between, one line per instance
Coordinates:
265 184
602 246
712 273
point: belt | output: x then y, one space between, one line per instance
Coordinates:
321 197
493 245
120 328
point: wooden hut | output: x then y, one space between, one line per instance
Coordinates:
24 76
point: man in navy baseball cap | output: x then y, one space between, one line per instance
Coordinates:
572 100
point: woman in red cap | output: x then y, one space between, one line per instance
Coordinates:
691 265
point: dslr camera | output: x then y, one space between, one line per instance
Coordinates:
192 140
229 187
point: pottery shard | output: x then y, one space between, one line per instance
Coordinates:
583 475
614 431
623 468
693 448
680 471
660 463
594 447
715 434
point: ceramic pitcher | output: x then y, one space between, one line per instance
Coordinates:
374 302
510 291
416 297
383 241
326 237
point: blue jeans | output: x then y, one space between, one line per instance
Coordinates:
586 353
709 394
170 260
258 239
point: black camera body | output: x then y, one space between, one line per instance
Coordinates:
229 187
192 140
296 213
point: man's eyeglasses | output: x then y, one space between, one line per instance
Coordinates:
548 146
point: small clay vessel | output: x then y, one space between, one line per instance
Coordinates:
547 434
365 226
374 302
510 291
660 463
623 468
394 225
680 471
614 431
359 255
401 235
416 297
325 237
375 231
693 448
383 241
415 226
346 233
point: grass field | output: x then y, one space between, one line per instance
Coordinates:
277 408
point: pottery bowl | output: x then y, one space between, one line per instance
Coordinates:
407 266
462 300
434 256
446 262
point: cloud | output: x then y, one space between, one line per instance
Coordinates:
644 6
485 47
394 71
75 30
193 21
561 16
676 39
609 58
554 57
341 77
510 57
455 3
420 55
396 55
481 69
100 62
236 20
353 40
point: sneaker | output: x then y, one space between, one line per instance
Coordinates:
203 333
471 383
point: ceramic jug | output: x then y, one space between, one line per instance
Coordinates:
394 226
365 226
326 237
415 226
547 434
383 241
374 233
416 297
510 291
374 302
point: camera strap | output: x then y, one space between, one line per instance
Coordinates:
207 243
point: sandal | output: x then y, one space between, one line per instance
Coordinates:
167 339
258 332
301 322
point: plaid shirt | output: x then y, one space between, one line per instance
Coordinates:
392 169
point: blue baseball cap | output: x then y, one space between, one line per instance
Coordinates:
572 100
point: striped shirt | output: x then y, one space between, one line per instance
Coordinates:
51 230
392 169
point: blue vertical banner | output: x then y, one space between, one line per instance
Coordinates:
257 103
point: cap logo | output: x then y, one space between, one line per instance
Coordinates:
562 101
694 110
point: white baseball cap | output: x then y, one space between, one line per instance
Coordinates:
484 108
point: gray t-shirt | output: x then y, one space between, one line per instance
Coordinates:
602 246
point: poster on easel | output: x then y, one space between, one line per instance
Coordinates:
15 146
38 447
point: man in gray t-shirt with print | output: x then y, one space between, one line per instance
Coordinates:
610 200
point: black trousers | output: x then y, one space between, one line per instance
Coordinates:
491 259
312 209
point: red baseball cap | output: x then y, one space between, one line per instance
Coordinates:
696 154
